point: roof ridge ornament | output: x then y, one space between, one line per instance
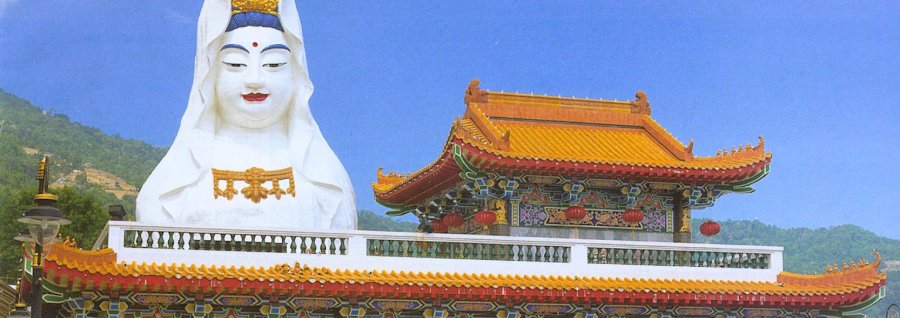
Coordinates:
474 93
744 151
641 105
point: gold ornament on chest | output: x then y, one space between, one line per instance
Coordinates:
256 179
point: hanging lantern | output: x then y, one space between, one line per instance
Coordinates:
439 227
709 228
633 216
485 217
575 213
453 219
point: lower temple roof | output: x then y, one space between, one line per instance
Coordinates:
79 270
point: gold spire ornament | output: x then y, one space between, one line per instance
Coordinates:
262 6
255 179
43 178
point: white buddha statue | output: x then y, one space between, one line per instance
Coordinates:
248 153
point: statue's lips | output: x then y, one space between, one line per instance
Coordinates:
255 97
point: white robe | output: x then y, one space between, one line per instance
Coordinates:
179 190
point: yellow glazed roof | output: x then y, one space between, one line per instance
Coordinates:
559 129
610 145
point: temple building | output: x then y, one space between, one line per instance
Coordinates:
554 207
529 158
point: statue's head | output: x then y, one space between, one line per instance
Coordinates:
254 72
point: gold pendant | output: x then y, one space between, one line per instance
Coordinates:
255 179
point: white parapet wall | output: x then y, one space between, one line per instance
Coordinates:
442 253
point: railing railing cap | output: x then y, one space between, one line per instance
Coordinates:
454 238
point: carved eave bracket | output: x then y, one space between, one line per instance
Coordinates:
631 191
641 105
573 191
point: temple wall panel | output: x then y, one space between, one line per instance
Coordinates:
541 213
593 234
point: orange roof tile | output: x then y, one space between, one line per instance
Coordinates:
576 130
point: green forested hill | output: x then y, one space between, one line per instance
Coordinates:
371 221
806 250
28 132
72 145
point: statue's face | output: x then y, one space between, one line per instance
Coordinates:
255 78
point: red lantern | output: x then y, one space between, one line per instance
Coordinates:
575 213
438 226
633 216
709 228
485 217
453 219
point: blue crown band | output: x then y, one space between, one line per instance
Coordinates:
244 19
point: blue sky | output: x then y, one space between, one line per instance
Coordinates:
821 81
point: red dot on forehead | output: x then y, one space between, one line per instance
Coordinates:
255 44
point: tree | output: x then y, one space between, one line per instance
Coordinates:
83 208
81 179
86 212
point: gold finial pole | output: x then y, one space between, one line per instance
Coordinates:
43 177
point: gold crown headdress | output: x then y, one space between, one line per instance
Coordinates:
262 6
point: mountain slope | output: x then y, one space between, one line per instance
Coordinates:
27 131
371 221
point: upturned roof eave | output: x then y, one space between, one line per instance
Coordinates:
400 193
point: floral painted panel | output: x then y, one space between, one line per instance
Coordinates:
602 214
654 220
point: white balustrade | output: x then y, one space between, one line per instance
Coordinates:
476 254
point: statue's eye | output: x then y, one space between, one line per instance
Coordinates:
234 64
274 65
